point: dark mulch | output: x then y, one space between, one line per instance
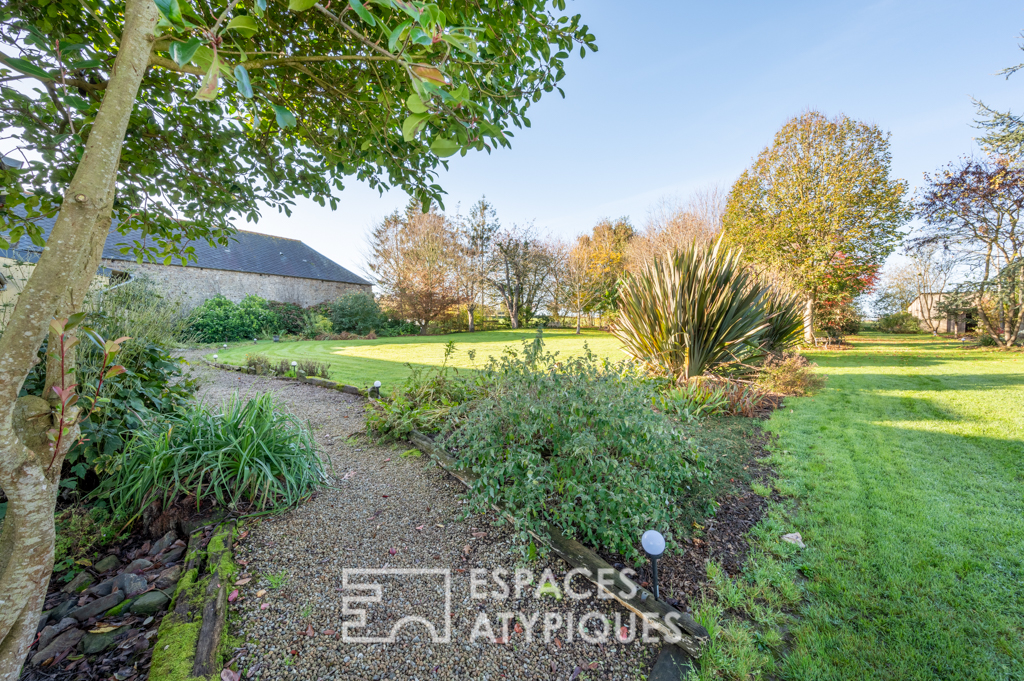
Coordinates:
721 537
130 655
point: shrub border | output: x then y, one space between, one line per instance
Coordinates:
654 612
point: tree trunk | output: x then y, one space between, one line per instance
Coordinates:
809 319
579 315
29 469
469 313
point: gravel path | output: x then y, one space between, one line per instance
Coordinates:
386 511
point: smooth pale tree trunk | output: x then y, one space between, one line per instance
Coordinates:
469 313
29 469
809 319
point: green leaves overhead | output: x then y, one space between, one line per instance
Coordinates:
285 118
358 8
445 147
413 124
244 25
450 78
182 53
28 68
208 88
170 10
416 104
242 81
300 5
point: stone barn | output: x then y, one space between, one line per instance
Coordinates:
272 267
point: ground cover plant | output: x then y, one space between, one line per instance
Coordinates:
360 362
905 478
247 456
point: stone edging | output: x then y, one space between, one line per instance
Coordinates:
300 377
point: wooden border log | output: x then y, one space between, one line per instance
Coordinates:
677 627
215 607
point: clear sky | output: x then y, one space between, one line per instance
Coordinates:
684 94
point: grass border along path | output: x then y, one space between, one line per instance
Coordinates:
905 476
361 362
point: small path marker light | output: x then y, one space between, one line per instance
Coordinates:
375 390
254 341
654 546
215 358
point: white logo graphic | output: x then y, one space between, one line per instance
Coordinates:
374 594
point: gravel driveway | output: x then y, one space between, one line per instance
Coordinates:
385 511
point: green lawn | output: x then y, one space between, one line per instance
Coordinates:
908 472
361 362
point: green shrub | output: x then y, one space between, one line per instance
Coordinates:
357 313
900 322
247 456
288 317
987 341
152 384
790 374
260 362
694 400
219 320
699 310
575 443
312 368
314 325
423 402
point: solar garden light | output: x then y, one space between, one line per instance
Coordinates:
254 341
375 391
654 547
215 358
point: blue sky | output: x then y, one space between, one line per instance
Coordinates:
683 95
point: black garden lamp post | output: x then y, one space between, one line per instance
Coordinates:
654 547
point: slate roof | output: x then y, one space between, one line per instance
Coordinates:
247 252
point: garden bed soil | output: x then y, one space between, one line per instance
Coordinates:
682 578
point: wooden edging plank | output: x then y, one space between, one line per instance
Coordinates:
677 627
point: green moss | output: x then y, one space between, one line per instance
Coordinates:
120 607
175 649
185 584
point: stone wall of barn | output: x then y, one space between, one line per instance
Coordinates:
193 285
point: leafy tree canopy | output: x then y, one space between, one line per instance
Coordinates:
818 205
255 102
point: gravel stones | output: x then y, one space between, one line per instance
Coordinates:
106 564
47 635
96 643
80 583
378 501
131 584
150 603
66 640
162 543
173 555
139 565
168 578
99 606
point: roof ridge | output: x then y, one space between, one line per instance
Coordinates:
272 236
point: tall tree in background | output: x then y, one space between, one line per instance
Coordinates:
476 232
974 208
607 245
818 206
518 273
582 285
674 225
115 101
557 295
415 257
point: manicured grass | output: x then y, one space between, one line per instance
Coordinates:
908 473
361 362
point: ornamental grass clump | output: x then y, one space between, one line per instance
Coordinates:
250 457
573 442
702 310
